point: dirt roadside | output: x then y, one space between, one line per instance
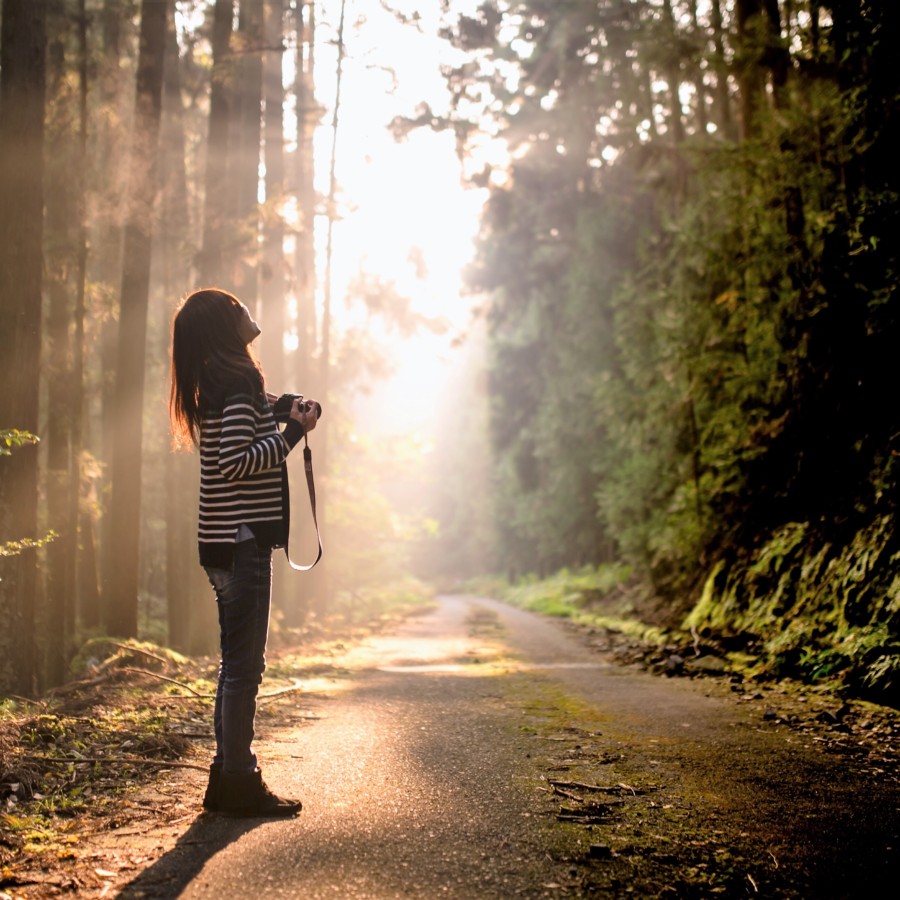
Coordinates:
581 778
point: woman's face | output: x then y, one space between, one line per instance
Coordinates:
247 327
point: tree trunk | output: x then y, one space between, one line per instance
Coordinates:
122 604
776 55
301 374
22 95
221 100
87 587
107 269
699 85
329 246
304 251
246 159
273 286
748 14
723 95
61 268
175 233
673 76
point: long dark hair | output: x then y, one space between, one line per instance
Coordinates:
208 354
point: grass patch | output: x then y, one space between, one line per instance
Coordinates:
595 596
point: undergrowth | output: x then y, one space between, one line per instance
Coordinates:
74 755
800 608
812 609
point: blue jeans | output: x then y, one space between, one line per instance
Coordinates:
243 596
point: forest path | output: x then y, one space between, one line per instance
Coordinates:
427 776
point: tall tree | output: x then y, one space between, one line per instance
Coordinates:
125 510
221 102
325 361
273 285
175 263
750 75
61 235
721 69
106 270
86 567
304 268
247 143
22 99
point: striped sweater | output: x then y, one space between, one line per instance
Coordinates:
243 475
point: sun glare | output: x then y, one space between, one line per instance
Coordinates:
404 214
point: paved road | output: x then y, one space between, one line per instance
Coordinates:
426 777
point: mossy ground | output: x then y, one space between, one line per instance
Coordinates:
626 823
634 836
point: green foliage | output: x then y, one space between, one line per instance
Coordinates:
14 548
10 438
690 333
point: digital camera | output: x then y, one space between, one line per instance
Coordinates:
283 404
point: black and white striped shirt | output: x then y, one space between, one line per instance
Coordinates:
243 478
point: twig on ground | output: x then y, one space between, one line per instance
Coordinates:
161 659
26 700
131 760
72 686
166 678
580 785
271 695
556 789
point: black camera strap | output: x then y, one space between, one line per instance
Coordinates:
311 486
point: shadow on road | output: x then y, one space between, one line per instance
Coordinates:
170 874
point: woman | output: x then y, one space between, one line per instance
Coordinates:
218 401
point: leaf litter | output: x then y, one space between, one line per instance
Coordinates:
100 756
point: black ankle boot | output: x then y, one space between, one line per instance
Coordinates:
211 797
246 794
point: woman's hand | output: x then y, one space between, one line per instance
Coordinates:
299 413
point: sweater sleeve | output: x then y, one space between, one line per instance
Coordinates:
241 452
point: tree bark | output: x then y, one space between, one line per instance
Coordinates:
748 15
699 84
723 95
246 159
673 76
273 286
87 587
178 467
221 101
325 362
776 55
107 269
304 252
122 604
22 97
61 269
